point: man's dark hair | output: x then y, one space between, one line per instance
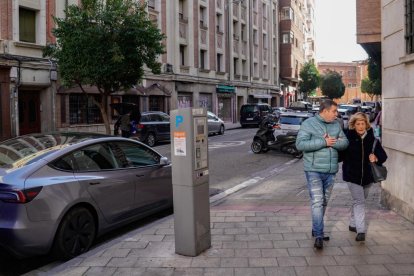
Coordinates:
326 104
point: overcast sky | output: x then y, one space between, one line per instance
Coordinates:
335 31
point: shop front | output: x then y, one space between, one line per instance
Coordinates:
225 102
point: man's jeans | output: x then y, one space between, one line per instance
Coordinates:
320 186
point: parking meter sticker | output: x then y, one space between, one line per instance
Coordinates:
179 120
180 143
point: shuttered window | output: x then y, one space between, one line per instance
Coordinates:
409 26
27 25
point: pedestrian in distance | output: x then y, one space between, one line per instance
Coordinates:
320 138
125 125
356 170
135 118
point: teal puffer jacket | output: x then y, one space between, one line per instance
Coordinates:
317 157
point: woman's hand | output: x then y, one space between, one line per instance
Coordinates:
372 158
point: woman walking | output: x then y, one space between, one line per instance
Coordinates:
356 169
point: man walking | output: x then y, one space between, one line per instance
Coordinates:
320 138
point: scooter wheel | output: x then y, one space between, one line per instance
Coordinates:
257 146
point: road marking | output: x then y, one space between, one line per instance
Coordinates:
225 144
252 181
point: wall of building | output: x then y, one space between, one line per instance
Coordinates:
398 111
368 14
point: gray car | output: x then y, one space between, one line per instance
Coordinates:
215 124
59 191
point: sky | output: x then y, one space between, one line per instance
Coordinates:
335 31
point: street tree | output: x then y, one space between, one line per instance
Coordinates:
106 44
372 84
309 79
332 85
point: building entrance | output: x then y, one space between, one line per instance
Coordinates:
29 112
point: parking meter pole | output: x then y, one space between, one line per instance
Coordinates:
189 155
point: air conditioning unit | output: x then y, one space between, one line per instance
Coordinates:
169 68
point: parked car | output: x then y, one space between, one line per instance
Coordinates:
153 127
301 106
376 106
290 122
253 114
369 111
351 108
59 191
215 124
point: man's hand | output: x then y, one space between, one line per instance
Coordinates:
330 141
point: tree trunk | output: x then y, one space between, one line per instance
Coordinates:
102 107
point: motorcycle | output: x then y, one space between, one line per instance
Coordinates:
264 140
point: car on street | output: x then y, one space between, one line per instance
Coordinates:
300 106
215 124
290 122
59 191
351 108
376 106
253 114
153 127
369 111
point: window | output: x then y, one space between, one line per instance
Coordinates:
287 38
243 32
203 59
182 55
287 13
255 37
235 66
27 25
203 21
244 67
409 26
82 109
134 155
93 158
219 62
219 23
151 4
265 42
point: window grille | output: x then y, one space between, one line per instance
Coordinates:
82 110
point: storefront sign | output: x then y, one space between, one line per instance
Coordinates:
225 88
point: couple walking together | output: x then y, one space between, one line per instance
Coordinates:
321 139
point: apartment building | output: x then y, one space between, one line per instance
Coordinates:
220 54
352 73
296 43
27 81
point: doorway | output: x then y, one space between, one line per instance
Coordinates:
29 112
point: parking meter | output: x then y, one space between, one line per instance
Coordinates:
190 179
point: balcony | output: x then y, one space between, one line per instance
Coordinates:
235 10
182 18
203 25
244 48
151 4
235 46
243 13
254 18
219 4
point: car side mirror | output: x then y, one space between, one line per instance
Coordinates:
164 161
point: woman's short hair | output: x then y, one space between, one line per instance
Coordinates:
359 116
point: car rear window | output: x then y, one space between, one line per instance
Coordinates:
291 120
249 108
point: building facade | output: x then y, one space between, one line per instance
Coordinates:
296 43
397 39
352 74
27 81
219 54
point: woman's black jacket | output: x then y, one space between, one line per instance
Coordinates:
355 167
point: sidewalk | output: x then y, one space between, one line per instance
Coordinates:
264 229
228 126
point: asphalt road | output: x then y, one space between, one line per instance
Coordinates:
231 162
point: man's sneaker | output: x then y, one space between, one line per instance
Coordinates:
360 237
326 238
352 229
318 243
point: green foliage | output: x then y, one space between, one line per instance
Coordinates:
309 78
332 85
372 84
105 43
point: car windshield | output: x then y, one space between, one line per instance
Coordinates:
291 120
24 150
249 108
372 104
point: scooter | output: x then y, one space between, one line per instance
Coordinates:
264 140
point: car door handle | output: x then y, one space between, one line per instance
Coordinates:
139 175
94 183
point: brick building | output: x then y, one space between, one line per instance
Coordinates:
352 73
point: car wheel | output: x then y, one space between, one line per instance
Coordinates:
75 234
257 146
151 140
221 131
